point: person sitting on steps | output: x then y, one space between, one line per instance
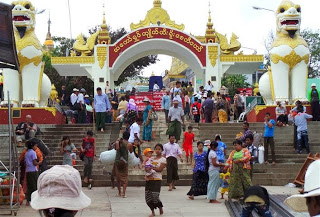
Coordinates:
26 131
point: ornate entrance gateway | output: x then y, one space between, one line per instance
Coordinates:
209 56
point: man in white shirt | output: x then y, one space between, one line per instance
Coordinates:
74 97
176 93
82 112
171 151
107 88
156 87
135 130
175 119
209 86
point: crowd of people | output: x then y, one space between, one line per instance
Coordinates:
213 168
204 106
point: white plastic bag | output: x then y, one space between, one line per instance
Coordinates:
261 155
133 160
290 185
108 157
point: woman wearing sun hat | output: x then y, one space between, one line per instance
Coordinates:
309 200
59 192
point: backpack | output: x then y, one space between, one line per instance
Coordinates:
43 148
195 109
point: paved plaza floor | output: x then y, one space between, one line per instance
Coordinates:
105 203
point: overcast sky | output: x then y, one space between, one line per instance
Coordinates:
251 26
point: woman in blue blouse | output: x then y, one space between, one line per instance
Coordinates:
147 122
200 175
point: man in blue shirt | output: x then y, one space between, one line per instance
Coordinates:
269 125
165 103
101 105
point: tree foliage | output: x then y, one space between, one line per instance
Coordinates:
313 40
312 37
268 43
233 82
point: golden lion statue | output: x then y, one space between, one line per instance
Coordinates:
286 80
30 85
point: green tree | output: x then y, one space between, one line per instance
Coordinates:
233 82
312 37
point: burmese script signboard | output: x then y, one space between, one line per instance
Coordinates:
157 33
154 97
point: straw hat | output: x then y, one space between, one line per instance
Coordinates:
146 151
175 100
311 188
146 99
60 187
207 142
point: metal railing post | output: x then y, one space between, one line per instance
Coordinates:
10 149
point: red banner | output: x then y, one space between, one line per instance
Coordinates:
154 97
248 90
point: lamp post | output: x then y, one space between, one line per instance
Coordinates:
249 48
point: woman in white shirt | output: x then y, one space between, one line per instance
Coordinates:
213 172
282 115
153 184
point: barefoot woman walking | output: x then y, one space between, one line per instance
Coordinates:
213 172
153 185
200 175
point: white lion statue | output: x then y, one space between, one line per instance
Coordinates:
30 85
287 79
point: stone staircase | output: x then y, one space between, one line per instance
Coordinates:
288 162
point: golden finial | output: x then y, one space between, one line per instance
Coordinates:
210 32
49 42
209 19
104 37
54 94
157 3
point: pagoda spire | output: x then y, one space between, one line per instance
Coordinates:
49 42
210 32
49 27
104 37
